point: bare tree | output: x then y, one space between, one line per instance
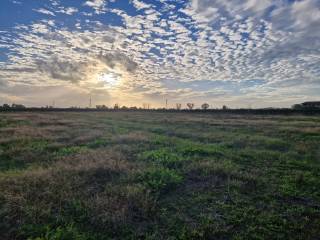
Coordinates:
190 105
178 106
146 106
116 106
205 106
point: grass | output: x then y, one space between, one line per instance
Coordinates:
119 175
160 180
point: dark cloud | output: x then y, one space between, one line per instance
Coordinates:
108 39
112 59
62 69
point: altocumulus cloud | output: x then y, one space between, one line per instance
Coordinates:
113 59
237 52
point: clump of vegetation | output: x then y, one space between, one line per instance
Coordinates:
160 180
56 233
98 143
165 157
195 149
70 150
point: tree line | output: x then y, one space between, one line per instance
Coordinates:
307 107
12 106
147 106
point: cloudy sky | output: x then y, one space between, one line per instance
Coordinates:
241 53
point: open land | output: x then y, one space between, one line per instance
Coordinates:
153 175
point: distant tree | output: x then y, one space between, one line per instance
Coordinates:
124 107
297 107
146 106
72 107
116 106
101 107
6 106
224 107
205 106
178 106
17 106
190 105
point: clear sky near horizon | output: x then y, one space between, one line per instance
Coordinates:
240 53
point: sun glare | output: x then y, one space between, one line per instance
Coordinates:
110 79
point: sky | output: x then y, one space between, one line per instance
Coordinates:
239 53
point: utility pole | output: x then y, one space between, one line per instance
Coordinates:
90 102
166 103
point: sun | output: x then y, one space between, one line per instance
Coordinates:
109 79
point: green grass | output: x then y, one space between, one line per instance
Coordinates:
160 180
65 151
164 156
138 175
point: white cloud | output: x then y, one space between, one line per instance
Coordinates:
68 10
44 11
98 5
141 5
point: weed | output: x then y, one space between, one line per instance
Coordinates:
46 232
165 157
70 150
97 143
160 180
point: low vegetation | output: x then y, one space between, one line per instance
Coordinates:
132 175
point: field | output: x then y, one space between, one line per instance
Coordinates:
152 175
